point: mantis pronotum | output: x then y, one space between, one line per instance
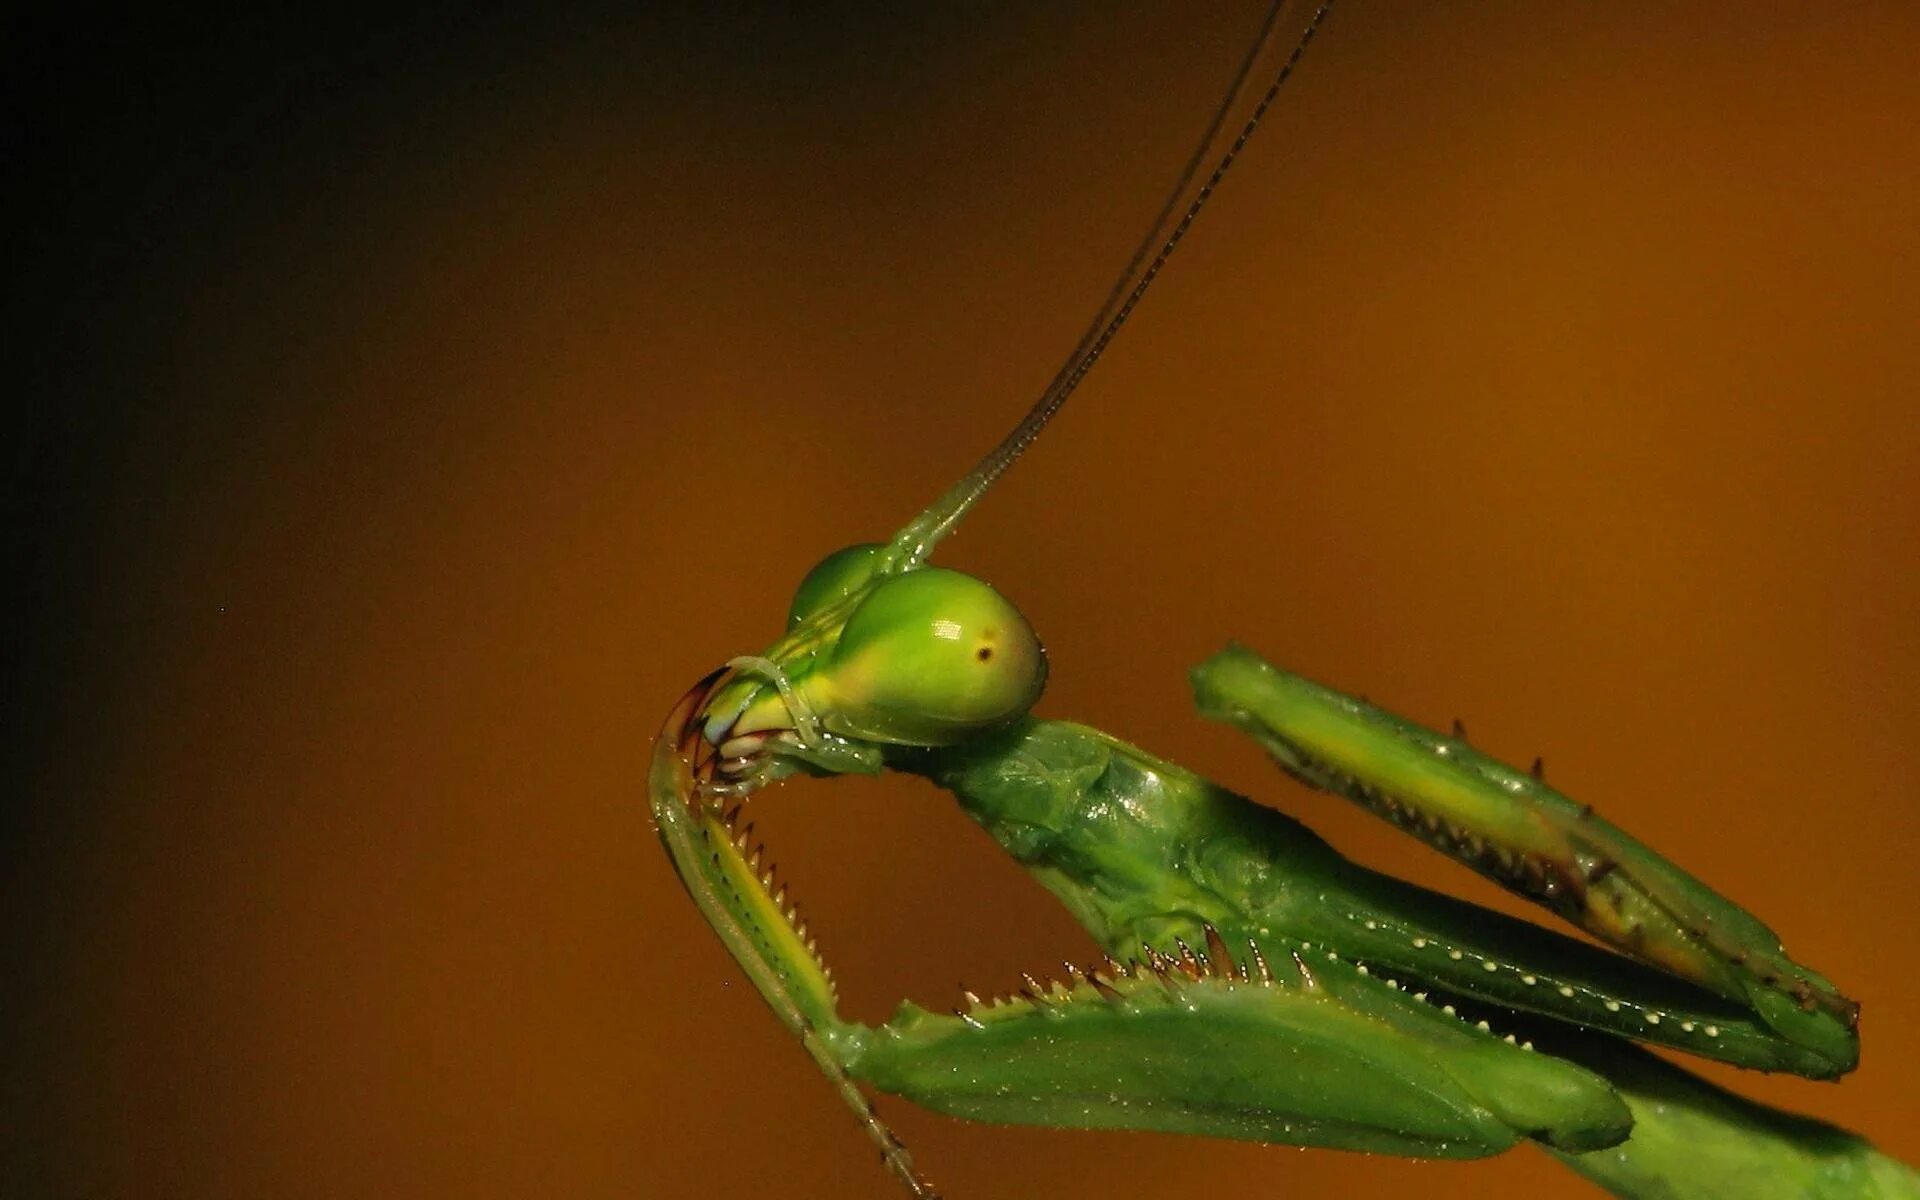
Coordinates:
1255 985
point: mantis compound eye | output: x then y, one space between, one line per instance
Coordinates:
833 579
931 656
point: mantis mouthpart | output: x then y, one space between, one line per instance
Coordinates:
1254 983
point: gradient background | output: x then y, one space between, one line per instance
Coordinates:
417 408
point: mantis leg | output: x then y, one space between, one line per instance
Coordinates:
1514 829
738 897
1299 1052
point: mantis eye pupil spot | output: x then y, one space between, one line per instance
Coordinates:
983 653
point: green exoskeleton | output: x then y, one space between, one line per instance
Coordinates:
1255 984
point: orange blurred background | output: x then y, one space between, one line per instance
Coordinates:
426 406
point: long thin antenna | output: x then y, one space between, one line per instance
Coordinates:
912 544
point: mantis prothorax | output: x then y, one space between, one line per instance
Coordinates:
1255 984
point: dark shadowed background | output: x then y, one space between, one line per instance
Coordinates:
416 407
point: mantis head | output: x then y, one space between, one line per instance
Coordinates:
876 654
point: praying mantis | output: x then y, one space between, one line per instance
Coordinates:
1255 985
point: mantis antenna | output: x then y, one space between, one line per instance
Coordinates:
912 544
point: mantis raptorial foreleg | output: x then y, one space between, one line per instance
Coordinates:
1529 838
1310 1051
1240 1032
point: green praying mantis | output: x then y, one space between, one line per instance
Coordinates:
1255 984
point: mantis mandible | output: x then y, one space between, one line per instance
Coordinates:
1256 985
